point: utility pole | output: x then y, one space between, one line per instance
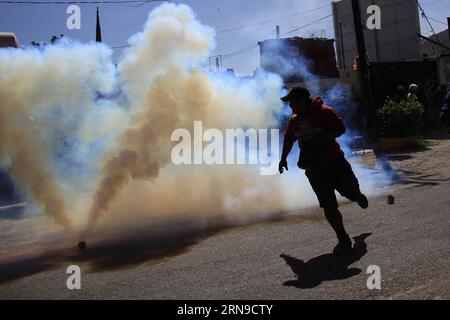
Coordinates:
217 64
364 74
448 28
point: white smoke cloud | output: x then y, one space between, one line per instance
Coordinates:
86 140
43 93
169 94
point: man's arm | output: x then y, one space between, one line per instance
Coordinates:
289 139
287 147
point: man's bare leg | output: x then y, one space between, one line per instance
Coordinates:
334 218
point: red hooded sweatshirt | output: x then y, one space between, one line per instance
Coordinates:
309 127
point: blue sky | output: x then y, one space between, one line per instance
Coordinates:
119 21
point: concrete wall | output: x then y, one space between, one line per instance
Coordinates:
432 50
287 56
396 41
444 69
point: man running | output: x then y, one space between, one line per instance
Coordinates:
316 128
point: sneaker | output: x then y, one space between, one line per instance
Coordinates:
362 201
343 246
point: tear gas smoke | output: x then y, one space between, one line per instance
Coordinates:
167 95
288 62
35 83
64 140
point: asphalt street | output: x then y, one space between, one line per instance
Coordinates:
287 258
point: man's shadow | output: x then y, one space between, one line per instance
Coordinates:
326 267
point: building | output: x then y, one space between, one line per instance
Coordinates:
396 40
430 49
298 60
8 39
395 53
441 53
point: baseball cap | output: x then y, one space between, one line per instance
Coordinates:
296 93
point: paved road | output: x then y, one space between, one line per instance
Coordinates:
284 259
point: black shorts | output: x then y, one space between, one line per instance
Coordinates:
338 175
